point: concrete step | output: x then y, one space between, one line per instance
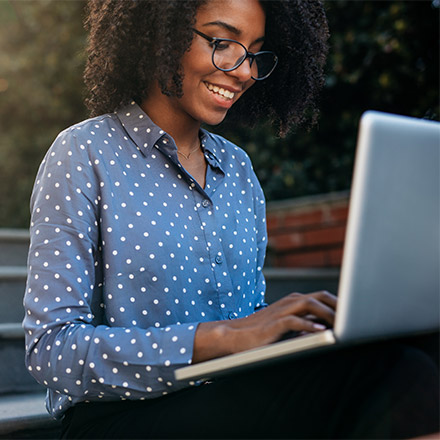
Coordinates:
12 287
24 416
282 281
14 245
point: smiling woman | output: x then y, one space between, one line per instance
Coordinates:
207 92
148 239
121 68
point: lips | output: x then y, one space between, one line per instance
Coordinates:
227 94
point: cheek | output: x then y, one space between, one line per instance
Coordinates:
196 64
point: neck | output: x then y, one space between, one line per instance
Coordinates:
162 111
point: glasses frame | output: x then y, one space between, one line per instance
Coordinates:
250 55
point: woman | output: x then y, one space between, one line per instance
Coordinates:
148 239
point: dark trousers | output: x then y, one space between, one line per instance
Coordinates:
371 391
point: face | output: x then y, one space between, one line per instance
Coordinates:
208 93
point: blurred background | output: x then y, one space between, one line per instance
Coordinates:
384 55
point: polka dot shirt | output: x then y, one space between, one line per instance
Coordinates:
128 254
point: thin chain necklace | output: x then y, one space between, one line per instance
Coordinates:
191 152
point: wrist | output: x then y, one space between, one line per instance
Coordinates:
212 340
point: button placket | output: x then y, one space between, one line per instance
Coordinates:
203 206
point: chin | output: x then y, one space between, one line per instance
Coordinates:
213 123
214 119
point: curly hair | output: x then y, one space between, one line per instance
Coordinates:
132 43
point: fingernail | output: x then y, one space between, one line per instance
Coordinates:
319 326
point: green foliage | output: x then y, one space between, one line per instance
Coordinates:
41 92
383 56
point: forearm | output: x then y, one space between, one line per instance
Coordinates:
212 339
220 338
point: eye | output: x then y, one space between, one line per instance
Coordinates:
220 44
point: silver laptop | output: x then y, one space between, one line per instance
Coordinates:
389 284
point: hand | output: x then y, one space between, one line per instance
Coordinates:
294 312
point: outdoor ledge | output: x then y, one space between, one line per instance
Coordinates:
13 273
14 235
273 273
11 330
308 202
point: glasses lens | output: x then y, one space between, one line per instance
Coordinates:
264 64
228 55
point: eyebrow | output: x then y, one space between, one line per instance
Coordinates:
229 28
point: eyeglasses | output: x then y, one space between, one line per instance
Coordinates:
228 55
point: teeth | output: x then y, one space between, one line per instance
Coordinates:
221 91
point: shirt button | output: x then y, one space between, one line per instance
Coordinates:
232 315
205 203
218 259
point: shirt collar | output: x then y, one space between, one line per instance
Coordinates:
209 148
141 129
146 134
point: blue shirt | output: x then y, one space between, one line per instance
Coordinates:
128 254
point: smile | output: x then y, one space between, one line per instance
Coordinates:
219 91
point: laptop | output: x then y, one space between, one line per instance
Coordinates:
389 283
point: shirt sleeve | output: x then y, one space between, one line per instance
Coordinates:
69 346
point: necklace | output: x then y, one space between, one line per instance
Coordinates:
189 154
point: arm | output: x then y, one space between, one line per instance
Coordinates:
69 345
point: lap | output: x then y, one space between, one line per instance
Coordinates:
334 394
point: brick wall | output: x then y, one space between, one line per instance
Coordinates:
307 232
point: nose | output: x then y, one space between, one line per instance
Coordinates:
243 72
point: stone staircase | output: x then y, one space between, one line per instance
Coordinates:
13 253
22 411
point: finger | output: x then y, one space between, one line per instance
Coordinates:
326 298
309 305
300 324
322 295
303 304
